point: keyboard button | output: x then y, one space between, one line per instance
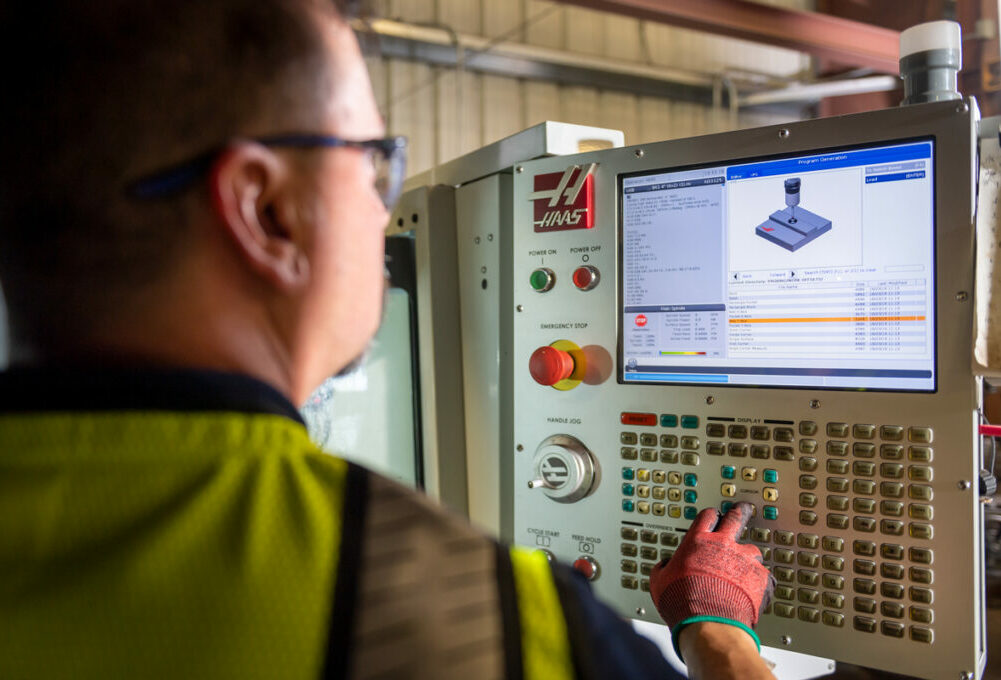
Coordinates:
919 511
920 492
807 500
808 596
630 582
891 489
839 503
784 574
783 453
921 595
737 432
892 629
760 433
892 551
737 450
690 443
892 433
807 445
919 473
837 429
835 600
674 495
833 563
760 451
648 439
833 619
864 548
833 543
891 508
920 555
833 581
921 575
866 524
629 550
628 438
891 452
669 457
760 535
920 435
658 493
864 567
648 455
863 449
628 453
783 556
837 484
658 509
808 541
864 486
919 634
920 531
643 491
891 470
922 615
864 505
648 552
863 468
894 590
785 593
785 610
894 610
837 448
837 521
806 559
863 431
891 570
770 494
783 434
807 578
808 482
648 536
628 566
668 441
864 586
864 605
807 428
669 539
891 527
645 585
807 517
689 458
837 467
807 464
715 448
808 614
864 624
920 454
785 537
629 533
715 430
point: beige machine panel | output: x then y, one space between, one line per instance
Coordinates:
873 524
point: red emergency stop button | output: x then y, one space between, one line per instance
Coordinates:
586 277
549 365
587 566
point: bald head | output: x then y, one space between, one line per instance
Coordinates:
113 90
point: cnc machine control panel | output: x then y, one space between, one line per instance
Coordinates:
771 316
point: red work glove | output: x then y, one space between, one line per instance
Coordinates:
712 577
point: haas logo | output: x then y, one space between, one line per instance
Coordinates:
564 200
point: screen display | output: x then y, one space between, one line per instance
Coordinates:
814 271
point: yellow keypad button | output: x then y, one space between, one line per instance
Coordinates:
749 474
642 475
728 490
770 494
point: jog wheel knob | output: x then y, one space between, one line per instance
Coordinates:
565 469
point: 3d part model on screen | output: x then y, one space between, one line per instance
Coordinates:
793 227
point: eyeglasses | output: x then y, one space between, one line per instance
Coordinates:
388 155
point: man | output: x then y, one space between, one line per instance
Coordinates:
190 241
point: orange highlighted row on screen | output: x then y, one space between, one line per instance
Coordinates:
831 319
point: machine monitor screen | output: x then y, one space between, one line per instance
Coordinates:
814 270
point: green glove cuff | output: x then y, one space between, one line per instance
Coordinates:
676 631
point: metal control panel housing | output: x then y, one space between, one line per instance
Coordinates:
874 526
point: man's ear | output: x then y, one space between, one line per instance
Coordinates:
251 196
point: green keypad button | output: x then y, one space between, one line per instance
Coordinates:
627 490
691 496
770 476
628 473
628 505
690 512
770 512
725 506
728 472
691 479
689 422
668 420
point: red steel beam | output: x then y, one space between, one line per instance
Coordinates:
847 42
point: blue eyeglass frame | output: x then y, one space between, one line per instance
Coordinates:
176 178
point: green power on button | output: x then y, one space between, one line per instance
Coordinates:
542 279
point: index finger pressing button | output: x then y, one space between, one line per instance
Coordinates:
734 521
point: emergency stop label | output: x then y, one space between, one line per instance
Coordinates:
564 200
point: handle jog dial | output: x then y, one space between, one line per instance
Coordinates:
565 469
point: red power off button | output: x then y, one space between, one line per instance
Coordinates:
586 277
639 419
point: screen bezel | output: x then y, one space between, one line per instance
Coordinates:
620 295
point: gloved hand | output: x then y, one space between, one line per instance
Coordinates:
711 577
